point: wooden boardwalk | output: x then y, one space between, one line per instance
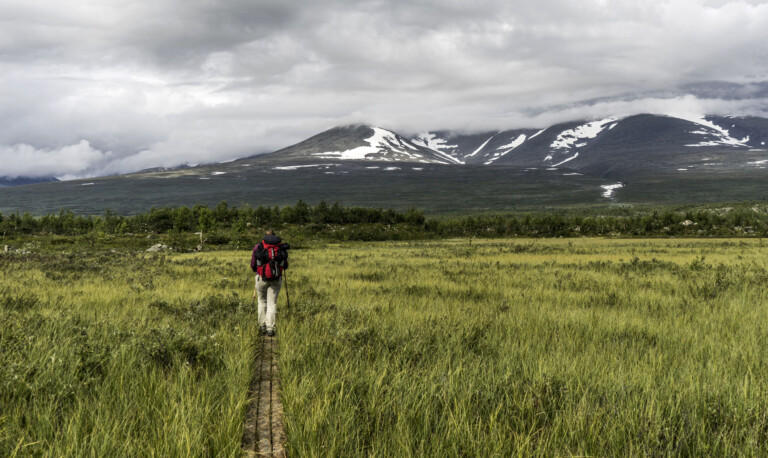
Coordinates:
264 432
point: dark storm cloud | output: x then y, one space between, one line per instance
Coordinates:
113 86
165 32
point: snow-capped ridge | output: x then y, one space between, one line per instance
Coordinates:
594 147
385 145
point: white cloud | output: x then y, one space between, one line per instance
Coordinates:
69 161
164 82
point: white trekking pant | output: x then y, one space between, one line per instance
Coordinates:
267 292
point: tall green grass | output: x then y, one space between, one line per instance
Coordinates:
519 348
484 348
118 354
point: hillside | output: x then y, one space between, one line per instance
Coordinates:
643 159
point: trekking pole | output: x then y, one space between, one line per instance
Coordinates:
287 296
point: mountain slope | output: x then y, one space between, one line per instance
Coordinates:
637 159
20 181
618 148
614 147
361 142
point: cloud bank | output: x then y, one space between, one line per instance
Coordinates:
106 87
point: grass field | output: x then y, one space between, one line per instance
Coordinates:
490 348
119 354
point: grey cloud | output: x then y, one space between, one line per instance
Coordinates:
165 32
167 82
727 91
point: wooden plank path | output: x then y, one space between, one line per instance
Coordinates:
264 432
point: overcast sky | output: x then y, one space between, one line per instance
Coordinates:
94 87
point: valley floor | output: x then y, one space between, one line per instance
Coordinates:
483 348
434 189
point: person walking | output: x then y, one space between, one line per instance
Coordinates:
269 259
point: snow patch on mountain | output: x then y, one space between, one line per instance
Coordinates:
609 189
296 167
480 148
515 143
380 141
573 137
439 145
537 134
569 159
722 135
432 141
447 157
507 148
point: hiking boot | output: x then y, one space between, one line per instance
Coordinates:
262 329
271 333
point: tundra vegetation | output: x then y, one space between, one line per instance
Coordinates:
528 347
433 346
235 227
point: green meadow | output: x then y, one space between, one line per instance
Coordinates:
123 354
459 347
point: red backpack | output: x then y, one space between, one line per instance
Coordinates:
271 261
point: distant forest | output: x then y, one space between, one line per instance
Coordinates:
335 222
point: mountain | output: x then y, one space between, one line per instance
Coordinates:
19 181
485 148
617 148
362 142
642 159
612 148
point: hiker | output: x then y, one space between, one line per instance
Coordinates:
269 259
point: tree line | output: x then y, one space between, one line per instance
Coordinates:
741 220
202 218
358 223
